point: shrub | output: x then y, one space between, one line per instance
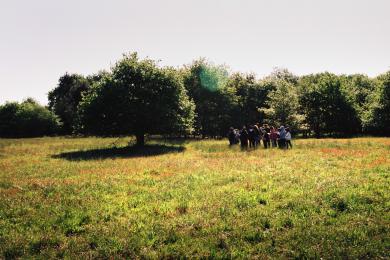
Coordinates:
27 119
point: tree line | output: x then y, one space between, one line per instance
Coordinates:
139 97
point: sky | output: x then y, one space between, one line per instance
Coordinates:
41 40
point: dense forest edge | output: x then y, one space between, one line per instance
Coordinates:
139 97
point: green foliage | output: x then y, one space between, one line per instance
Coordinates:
283 105
325 105
64 99
27 119
357 89
124 101
206 86
221 100
376 117
138 98
283 75
212 78
251 95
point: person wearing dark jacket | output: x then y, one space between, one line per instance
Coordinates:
266 137
252 137
244 138
232 136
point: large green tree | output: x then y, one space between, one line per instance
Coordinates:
206 84
325 105
138 98
376 117
358 89
250 97
64 99
283 105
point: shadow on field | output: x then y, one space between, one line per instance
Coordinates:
119 152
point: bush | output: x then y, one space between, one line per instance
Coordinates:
27 119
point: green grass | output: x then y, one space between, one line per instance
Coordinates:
93 197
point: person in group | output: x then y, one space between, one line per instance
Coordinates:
282 137
266 136
288 138
273 136
257 135
244 138
232 136
237 133
251 137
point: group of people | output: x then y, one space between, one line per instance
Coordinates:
252 135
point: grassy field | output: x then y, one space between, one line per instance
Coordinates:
93 197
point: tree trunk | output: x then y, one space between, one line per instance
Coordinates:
140 139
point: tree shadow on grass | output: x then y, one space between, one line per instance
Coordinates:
119 152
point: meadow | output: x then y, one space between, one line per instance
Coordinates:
97 198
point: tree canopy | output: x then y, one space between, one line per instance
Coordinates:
64 99
325 105
137 98
283 105
376 116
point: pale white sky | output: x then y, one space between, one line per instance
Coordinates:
40 40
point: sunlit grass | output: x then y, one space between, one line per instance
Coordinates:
325 198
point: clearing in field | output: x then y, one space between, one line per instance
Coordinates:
69 197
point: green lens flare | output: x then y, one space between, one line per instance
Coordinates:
213 78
